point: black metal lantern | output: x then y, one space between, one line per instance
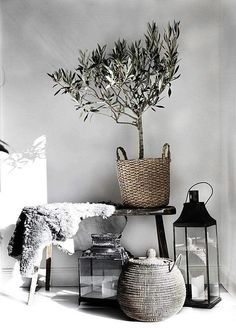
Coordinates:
195 237
100 268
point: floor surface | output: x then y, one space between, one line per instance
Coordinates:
59 308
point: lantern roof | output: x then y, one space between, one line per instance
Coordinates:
194 214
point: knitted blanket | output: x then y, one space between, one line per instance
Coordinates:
39 226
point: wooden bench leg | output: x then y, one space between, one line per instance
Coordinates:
163 249
48 266
33 285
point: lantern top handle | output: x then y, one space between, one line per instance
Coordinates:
198 184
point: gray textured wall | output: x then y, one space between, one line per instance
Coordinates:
40 36
228 155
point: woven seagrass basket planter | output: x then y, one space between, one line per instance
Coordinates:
151 289
144 182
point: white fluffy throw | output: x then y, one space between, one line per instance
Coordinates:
39 226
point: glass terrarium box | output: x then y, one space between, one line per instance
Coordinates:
100 268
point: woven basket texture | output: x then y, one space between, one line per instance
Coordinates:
144 182
150 292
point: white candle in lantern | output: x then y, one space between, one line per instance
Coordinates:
109 287
197 284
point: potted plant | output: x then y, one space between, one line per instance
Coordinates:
125 82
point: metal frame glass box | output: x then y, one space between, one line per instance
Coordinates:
100 268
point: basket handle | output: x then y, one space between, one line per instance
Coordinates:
176 263
166 151
123 153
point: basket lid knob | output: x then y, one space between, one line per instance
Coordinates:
151 253
151 259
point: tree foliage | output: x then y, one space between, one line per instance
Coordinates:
126 81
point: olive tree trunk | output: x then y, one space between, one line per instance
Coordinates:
140 134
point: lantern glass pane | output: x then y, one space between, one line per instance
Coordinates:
180 248
85 274
213 262
99 278
197 264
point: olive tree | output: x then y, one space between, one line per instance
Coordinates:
126 81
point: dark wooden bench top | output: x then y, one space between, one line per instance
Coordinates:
167 210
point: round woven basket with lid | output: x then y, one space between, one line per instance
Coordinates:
151 288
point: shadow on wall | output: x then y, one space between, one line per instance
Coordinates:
23 183
30 155
228 224
228 163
